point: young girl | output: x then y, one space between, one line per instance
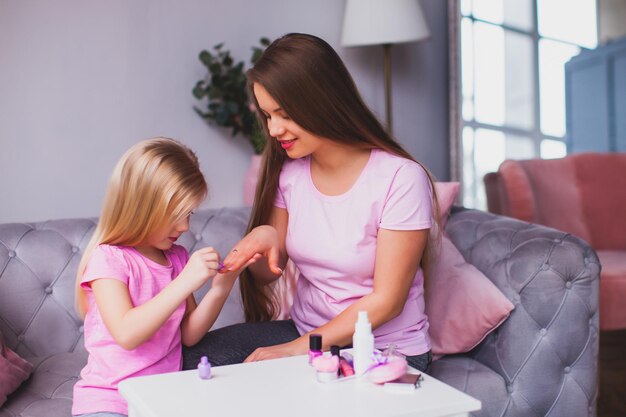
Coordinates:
135 285
341 199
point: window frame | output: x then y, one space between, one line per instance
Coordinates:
458 123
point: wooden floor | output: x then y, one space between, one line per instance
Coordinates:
612 363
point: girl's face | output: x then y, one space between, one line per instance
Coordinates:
296 141
164 237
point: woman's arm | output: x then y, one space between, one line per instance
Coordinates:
267 240
131 326
398 256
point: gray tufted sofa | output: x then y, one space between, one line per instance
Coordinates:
540 362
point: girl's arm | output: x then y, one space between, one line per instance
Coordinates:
398 255
267 240
200 318
131 326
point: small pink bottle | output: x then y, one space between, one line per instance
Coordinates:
315 346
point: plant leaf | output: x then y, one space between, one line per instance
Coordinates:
198 91
205 58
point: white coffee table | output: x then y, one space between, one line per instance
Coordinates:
284 387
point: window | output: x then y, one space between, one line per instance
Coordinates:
512 57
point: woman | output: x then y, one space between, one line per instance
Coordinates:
341 199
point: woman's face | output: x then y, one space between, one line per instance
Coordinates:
296 141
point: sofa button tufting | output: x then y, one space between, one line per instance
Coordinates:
48 290
81 329
74 249
12 254
20 337
198 237
509 388
567 370
545 267
568 285
543 332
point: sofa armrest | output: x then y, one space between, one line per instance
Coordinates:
546 351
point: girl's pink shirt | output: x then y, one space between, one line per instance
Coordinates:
109 363
332 241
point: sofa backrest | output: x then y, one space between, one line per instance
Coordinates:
576 194
601 179
38 263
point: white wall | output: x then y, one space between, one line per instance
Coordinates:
81 81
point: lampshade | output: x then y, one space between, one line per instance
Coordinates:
375 22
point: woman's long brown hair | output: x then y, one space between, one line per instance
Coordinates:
309 81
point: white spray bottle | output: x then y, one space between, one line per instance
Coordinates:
362 344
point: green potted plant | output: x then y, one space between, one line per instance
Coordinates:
227 101
228 104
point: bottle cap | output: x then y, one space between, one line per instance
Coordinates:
362 323
334 350
315 341
363 316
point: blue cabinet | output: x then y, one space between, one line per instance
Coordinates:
595 90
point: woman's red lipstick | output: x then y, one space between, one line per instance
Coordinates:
287 144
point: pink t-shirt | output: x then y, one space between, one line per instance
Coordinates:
332 241
109 363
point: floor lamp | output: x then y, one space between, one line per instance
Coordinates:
383 22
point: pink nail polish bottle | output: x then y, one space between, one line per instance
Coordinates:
315 346
345 369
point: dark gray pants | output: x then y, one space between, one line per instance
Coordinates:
233 344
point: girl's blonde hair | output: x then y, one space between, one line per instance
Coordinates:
156 181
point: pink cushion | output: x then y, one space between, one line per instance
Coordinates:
463 305
13 371
446 194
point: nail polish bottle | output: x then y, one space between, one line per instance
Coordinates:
334 351
204 368
315 346
345 369
327 368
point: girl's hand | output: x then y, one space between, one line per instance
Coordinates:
261 240
202 266
278 351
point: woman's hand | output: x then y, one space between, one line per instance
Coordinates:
202 265
261 240
227 278
292 348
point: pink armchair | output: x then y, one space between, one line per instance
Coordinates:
583 194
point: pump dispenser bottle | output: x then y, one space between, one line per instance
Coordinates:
362 344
